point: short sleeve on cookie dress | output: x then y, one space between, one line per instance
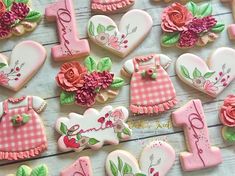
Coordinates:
151 88
22 132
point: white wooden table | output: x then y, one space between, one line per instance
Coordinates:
144 129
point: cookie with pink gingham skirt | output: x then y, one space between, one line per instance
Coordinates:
151 89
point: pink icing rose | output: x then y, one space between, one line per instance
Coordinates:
118 115
227 111
2 8
175 18
3 79
113 42
210 88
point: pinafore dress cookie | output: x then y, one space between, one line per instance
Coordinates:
22 132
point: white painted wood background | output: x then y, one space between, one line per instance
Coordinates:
144 129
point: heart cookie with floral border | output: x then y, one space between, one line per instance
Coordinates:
16 18
211 80
103 31
26 59
93 129
156 159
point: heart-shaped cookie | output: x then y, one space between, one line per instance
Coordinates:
26 58
156 159
104 32
211 79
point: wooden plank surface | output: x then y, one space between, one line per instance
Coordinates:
144 129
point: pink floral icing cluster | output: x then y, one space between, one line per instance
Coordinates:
227 112
184 25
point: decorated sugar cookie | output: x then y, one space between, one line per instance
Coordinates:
121 40
93 129
156 159
232 4
70 46
22 133
231 31
211 79
151 90
110 6
81 167
200 154
24 170
84 85
25 60
17 18
227 117
189 25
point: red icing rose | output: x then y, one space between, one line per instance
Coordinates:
71 76
227 112
20 9
2 8
175 18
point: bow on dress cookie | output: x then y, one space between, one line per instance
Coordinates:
24 170
93 128
211 80
16 18
104 32
84 85
189 25
26 58
156 159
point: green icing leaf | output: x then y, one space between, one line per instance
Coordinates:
169 39
117 83
127 131
79 136
40 171
104 64
2 65
208 74
219 27
33 16
22 1
90 64
192 7
67 98
110 28
91 29
26 118
229 133
139 174
23 171
119 135
114 168
120 164
100 29
63 128
184 71
196 73
205 10
93 141
127 169
8 3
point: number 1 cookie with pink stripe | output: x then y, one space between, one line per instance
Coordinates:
71 46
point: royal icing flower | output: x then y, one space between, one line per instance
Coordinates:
3 79
8 18
2 8
106 79
85 97
227 112
199 82
187 39
210 87
117 115
21 10
175 18
114 42
102 38
71 76
118 126
70 143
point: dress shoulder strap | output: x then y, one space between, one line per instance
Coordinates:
157 61
30 102
5 107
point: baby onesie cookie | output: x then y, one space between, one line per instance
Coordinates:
227 118
200 153
24 170
81 167
93 129
151 90
84 85
17 18
110 6
22 133
156 159
71 46
189 25
121 40
211 79
26 59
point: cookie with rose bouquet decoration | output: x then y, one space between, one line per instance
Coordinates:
190 25
93 129
227 118
88 83
17 18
